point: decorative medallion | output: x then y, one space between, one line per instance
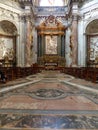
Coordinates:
48 93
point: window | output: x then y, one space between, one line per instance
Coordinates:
51 3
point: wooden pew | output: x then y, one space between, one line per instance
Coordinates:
87 73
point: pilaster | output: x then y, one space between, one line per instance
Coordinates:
28 45
74 35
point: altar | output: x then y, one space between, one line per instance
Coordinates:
51 62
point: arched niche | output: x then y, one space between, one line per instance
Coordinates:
8 34
92 43
92 27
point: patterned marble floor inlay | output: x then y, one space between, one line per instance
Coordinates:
66 97
49 103
48 93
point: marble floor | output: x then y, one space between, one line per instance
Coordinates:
49 100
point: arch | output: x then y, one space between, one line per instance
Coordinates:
92 27
8 33
7 27
92 42
89 21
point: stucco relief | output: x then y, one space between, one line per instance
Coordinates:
91 13
94 48
51 45
2 48
8 14
6 48
7 26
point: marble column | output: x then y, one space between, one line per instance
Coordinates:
74 34
43 45
74 40
63 46
59 45
28 41
39 46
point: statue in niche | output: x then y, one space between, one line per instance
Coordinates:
6 60
2 49
9 57
10 53
71 45
92 54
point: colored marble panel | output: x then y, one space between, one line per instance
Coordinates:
49 121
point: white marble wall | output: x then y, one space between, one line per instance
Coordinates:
67 48
87 13
11 12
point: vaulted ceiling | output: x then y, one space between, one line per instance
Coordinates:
50 2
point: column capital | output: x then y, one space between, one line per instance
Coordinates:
28 17
75 17
25 18
75 8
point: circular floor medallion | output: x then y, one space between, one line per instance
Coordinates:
48 93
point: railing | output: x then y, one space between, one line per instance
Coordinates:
27 1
